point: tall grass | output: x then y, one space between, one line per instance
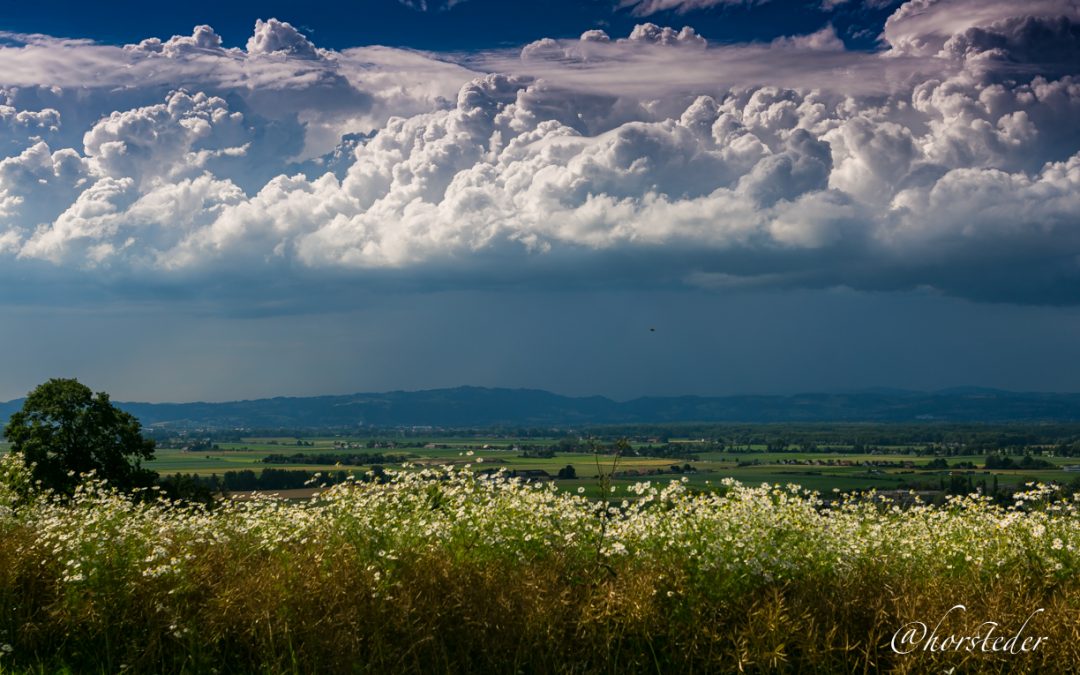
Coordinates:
445 571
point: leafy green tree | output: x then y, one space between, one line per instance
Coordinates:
66 430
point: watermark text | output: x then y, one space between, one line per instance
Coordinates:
916 636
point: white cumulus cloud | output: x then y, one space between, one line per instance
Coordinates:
936 162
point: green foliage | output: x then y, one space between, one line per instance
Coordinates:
1027 462
65 431
193 489
345 459
16 482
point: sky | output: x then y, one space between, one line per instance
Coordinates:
616 197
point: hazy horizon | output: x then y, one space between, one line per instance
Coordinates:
617 399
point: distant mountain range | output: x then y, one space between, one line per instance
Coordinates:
483 407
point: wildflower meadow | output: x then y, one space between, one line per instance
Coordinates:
444 570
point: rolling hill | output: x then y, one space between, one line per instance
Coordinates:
484 407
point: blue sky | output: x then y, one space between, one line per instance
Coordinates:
473 24
259 199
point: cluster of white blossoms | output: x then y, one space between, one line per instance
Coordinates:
739 537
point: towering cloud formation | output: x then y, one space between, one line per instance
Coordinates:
949 155
927 26
202 40
279 37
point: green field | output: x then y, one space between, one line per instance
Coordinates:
821 470
824 470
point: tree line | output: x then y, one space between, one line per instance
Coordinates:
345 459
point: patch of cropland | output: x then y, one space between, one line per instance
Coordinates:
432 570
465 407
936 458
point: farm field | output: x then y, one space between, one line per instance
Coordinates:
821 470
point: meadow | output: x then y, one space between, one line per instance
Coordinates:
441 569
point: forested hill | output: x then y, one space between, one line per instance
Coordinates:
481 407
